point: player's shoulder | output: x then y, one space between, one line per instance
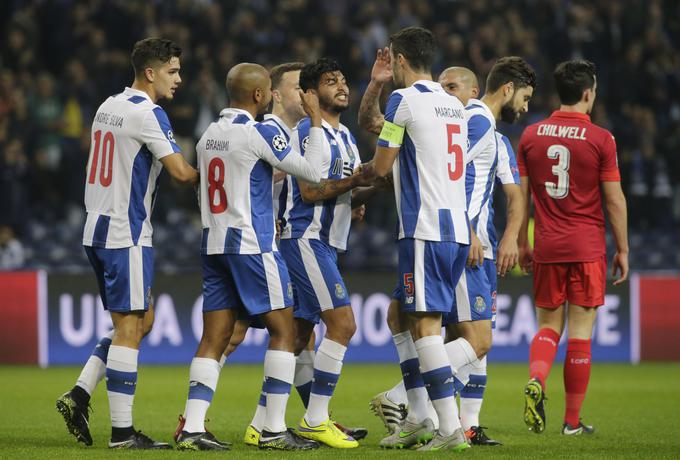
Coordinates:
303 126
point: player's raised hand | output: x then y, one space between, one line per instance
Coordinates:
476 254
508 255
382 67
526 259
310 104
620 265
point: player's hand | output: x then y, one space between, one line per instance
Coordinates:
278 227
382 67
310 104
476 254
620 265
526 259
358 213
508 255
364 175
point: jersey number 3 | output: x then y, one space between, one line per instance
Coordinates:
560 189
455 163
216 186
103 152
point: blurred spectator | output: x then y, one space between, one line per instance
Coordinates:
11 250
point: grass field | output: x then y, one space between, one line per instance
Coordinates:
635 410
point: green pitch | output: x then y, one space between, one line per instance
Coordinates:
635 410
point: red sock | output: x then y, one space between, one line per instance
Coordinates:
542 354
576 376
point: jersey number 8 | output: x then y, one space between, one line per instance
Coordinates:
561 170
216 186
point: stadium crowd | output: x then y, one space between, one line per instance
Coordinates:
60 59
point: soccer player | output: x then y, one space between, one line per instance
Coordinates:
317 222
132 141
569 165
426 129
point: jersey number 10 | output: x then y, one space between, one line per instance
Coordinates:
455 163
105 153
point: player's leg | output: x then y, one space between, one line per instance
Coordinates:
220 304
586 288
550 294
434 296
305 339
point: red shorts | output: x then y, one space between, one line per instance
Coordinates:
580 283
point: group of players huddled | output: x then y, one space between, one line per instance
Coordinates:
277 198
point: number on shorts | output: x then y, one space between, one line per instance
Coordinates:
561 170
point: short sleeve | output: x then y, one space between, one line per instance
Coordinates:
157 135
479 127
319 158
397 116
609 165
507 171
270 143
521 155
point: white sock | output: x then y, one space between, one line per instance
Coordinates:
411 368
460 353
438 377
95 367
121 381
260 412
279 371
222 360
327 367
397 394
471 397
203 376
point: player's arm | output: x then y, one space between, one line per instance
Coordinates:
618 219
508 248
476 251
525 251
370 117
179 169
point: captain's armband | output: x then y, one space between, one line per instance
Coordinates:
392 134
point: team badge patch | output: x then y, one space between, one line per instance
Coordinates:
279 143
305 143
148 295
480 304
339 291
290 290
171 136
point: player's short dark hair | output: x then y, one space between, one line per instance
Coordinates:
417 45
310 75
572 78
510 69
151 51
277 72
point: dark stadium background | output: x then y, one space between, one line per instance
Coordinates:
60 59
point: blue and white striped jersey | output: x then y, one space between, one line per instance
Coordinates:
281 187
429 174
130 134
235 159
329 220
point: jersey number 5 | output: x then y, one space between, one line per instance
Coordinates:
455 163
216 186
106 151
561 170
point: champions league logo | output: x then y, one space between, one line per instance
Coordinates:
290 290
480 304
305 142
279 143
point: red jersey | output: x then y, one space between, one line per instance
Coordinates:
566 157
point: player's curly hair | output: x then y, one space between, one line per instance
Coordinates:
152 51
310 75
510 69
572 78
417 45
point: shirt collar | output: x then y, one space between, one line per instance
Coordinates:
135 92
235 112
329 127
576 115
485 108
279 121
429 84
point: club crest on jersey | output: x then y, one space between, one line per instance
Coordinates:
171 136
279 143
339 291
290 290
305 143
480 304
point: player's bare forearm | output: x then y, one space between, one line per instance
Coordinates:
617 213
361 195
383 160
370 117
327 188
181 171
523 236
516 211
